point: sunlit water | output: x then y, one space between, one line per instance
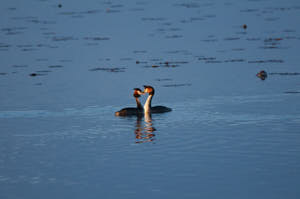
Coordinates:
66 67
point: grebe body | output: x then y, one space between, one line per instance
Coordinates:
131 111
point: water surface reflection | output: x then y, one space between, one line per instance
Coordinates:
144 131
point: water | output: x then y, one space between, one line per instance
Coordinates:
66 67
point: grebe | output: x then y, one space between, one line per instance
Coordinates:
133 111
262 75
156 109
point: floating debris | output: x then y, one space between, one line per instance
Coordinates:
245 26
272 43
33 74
292 92
113 70
38 73
176 85
44 71
141 62
234 60
63 38
249 10
286 73
90 12
289 31
55 66
173 36
163 79
97 38
207 58
209 40
238 49
2 45
231 38
213 62
188 5
65 60
42 59
168 63
266 61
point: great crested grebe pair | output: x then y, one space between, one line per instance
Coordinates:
139 110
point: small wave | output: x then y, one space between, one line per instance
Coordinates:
88 111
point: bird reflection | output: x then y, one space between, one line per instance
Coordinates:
144 131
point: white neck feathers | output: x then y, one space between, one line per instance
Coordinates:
147 105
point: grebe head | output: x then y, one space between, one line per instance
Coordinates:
137 92
262 75
148 89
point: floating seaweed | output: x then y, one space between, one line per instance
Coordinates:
249 10
176 85
36 74
3 45
285 73
63 38
238 49
42 59
292 92
213 62
187 5
163 79
209 40
44 71
207 58
231 38
113 70
266 61
141 62
235 60
97 38
55 66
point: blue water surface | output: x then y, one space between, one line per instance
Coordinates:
67 66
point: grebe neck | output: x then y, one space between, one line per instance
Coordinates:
147 106
138 104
